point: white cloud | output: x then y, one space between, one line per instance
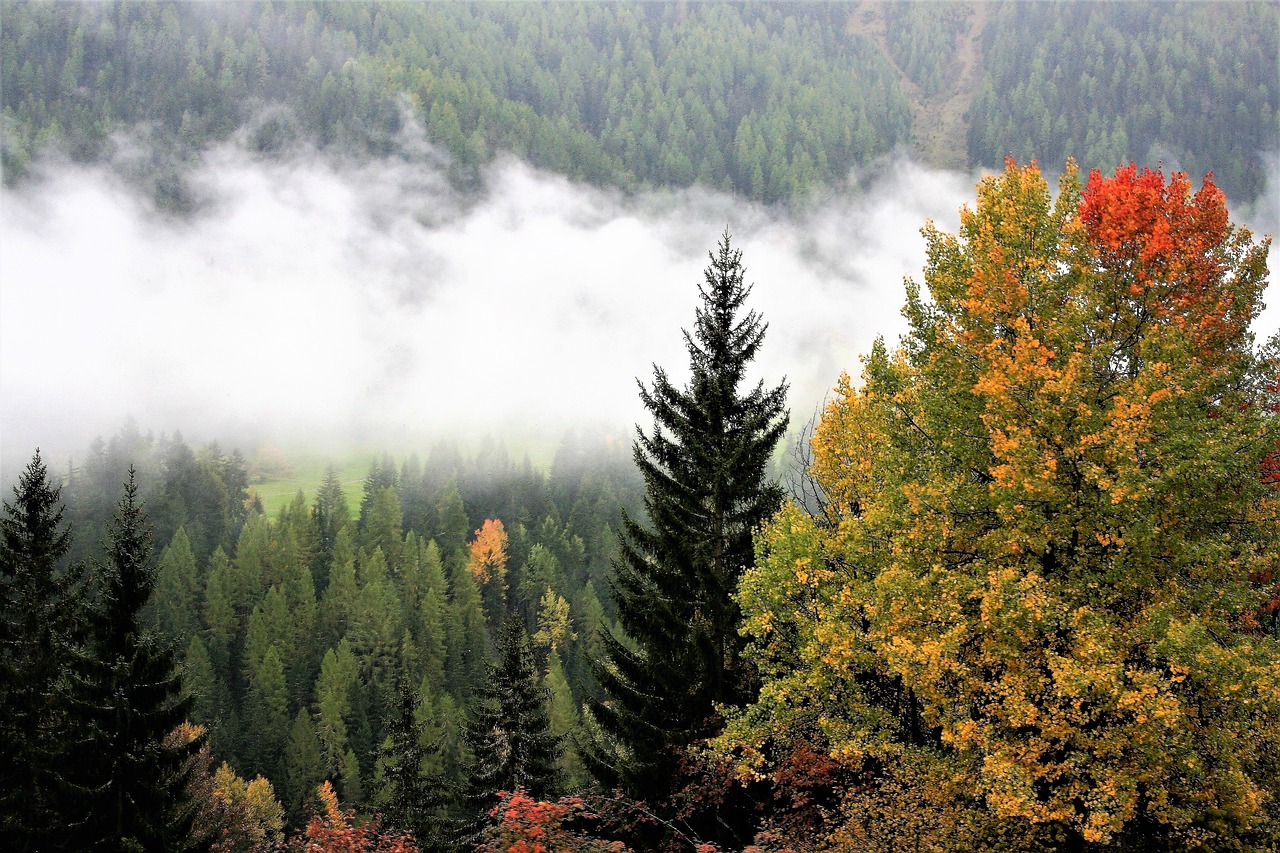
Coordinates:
318 302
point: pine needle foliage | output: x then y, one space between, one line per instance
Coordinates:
509 731
41 627
137 782
705 467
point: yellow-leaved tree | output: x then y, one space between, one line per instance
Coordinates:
1025 615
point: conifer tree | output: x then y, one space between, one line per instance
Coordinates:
40 627
468 641
330 515
267 716
408 798
705 470
339 596
177 591
220 617
136 778
509 730
433 618
303 765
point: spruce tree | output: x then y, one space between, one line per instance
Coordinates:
41 626
705 466
408 798
509 730
136 792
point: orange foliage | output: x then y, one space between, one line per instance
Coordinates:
489 552
336 831
521 824
1168 246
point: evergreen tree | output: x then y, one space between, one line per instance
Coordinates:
137 792
40 627
705 470
177 591
433 619
339 598
409 799
220 617
509 730
267 716
303 765
468 642
330 516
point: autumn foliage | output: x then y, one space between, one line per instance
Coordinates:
1026 616
521 824
489 553
335 830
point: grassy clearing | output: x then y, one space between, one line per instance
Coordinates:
276 475
278 482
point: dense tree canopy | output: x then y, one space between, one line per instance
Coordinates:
1024 615
767 100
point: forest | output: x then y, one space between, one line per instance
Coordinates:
1015 586
1025 594
768 100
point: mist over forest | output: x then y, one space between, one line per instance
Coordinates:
248 189
368 302
318 303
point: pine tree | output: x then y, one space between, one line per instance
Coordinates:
303 765
468 642
330 516
705 470
509 730
266 714
136 797
177 591
409 799
40 627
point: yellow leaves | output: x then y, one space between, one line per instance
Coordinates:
329 806
1026 536
488 561
254 805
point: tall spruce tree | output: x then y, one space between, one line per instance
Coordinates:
408 798
137 794
41 626
705 466
509 730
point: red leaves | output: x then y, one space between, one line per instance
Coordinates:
1165 248
521 824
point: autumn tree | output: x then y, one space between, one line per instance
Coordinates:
1017 619
488 563
521 824
335 830
705 467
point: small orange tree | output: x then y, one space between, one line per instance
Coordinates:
337 831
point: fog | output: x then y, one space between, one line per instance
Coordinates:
319 304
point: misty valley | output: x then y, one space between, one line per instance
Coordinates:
717 427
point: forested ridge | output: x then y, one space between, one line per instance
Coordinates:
766 100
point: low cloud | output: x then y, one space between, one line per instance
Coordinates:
320 303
